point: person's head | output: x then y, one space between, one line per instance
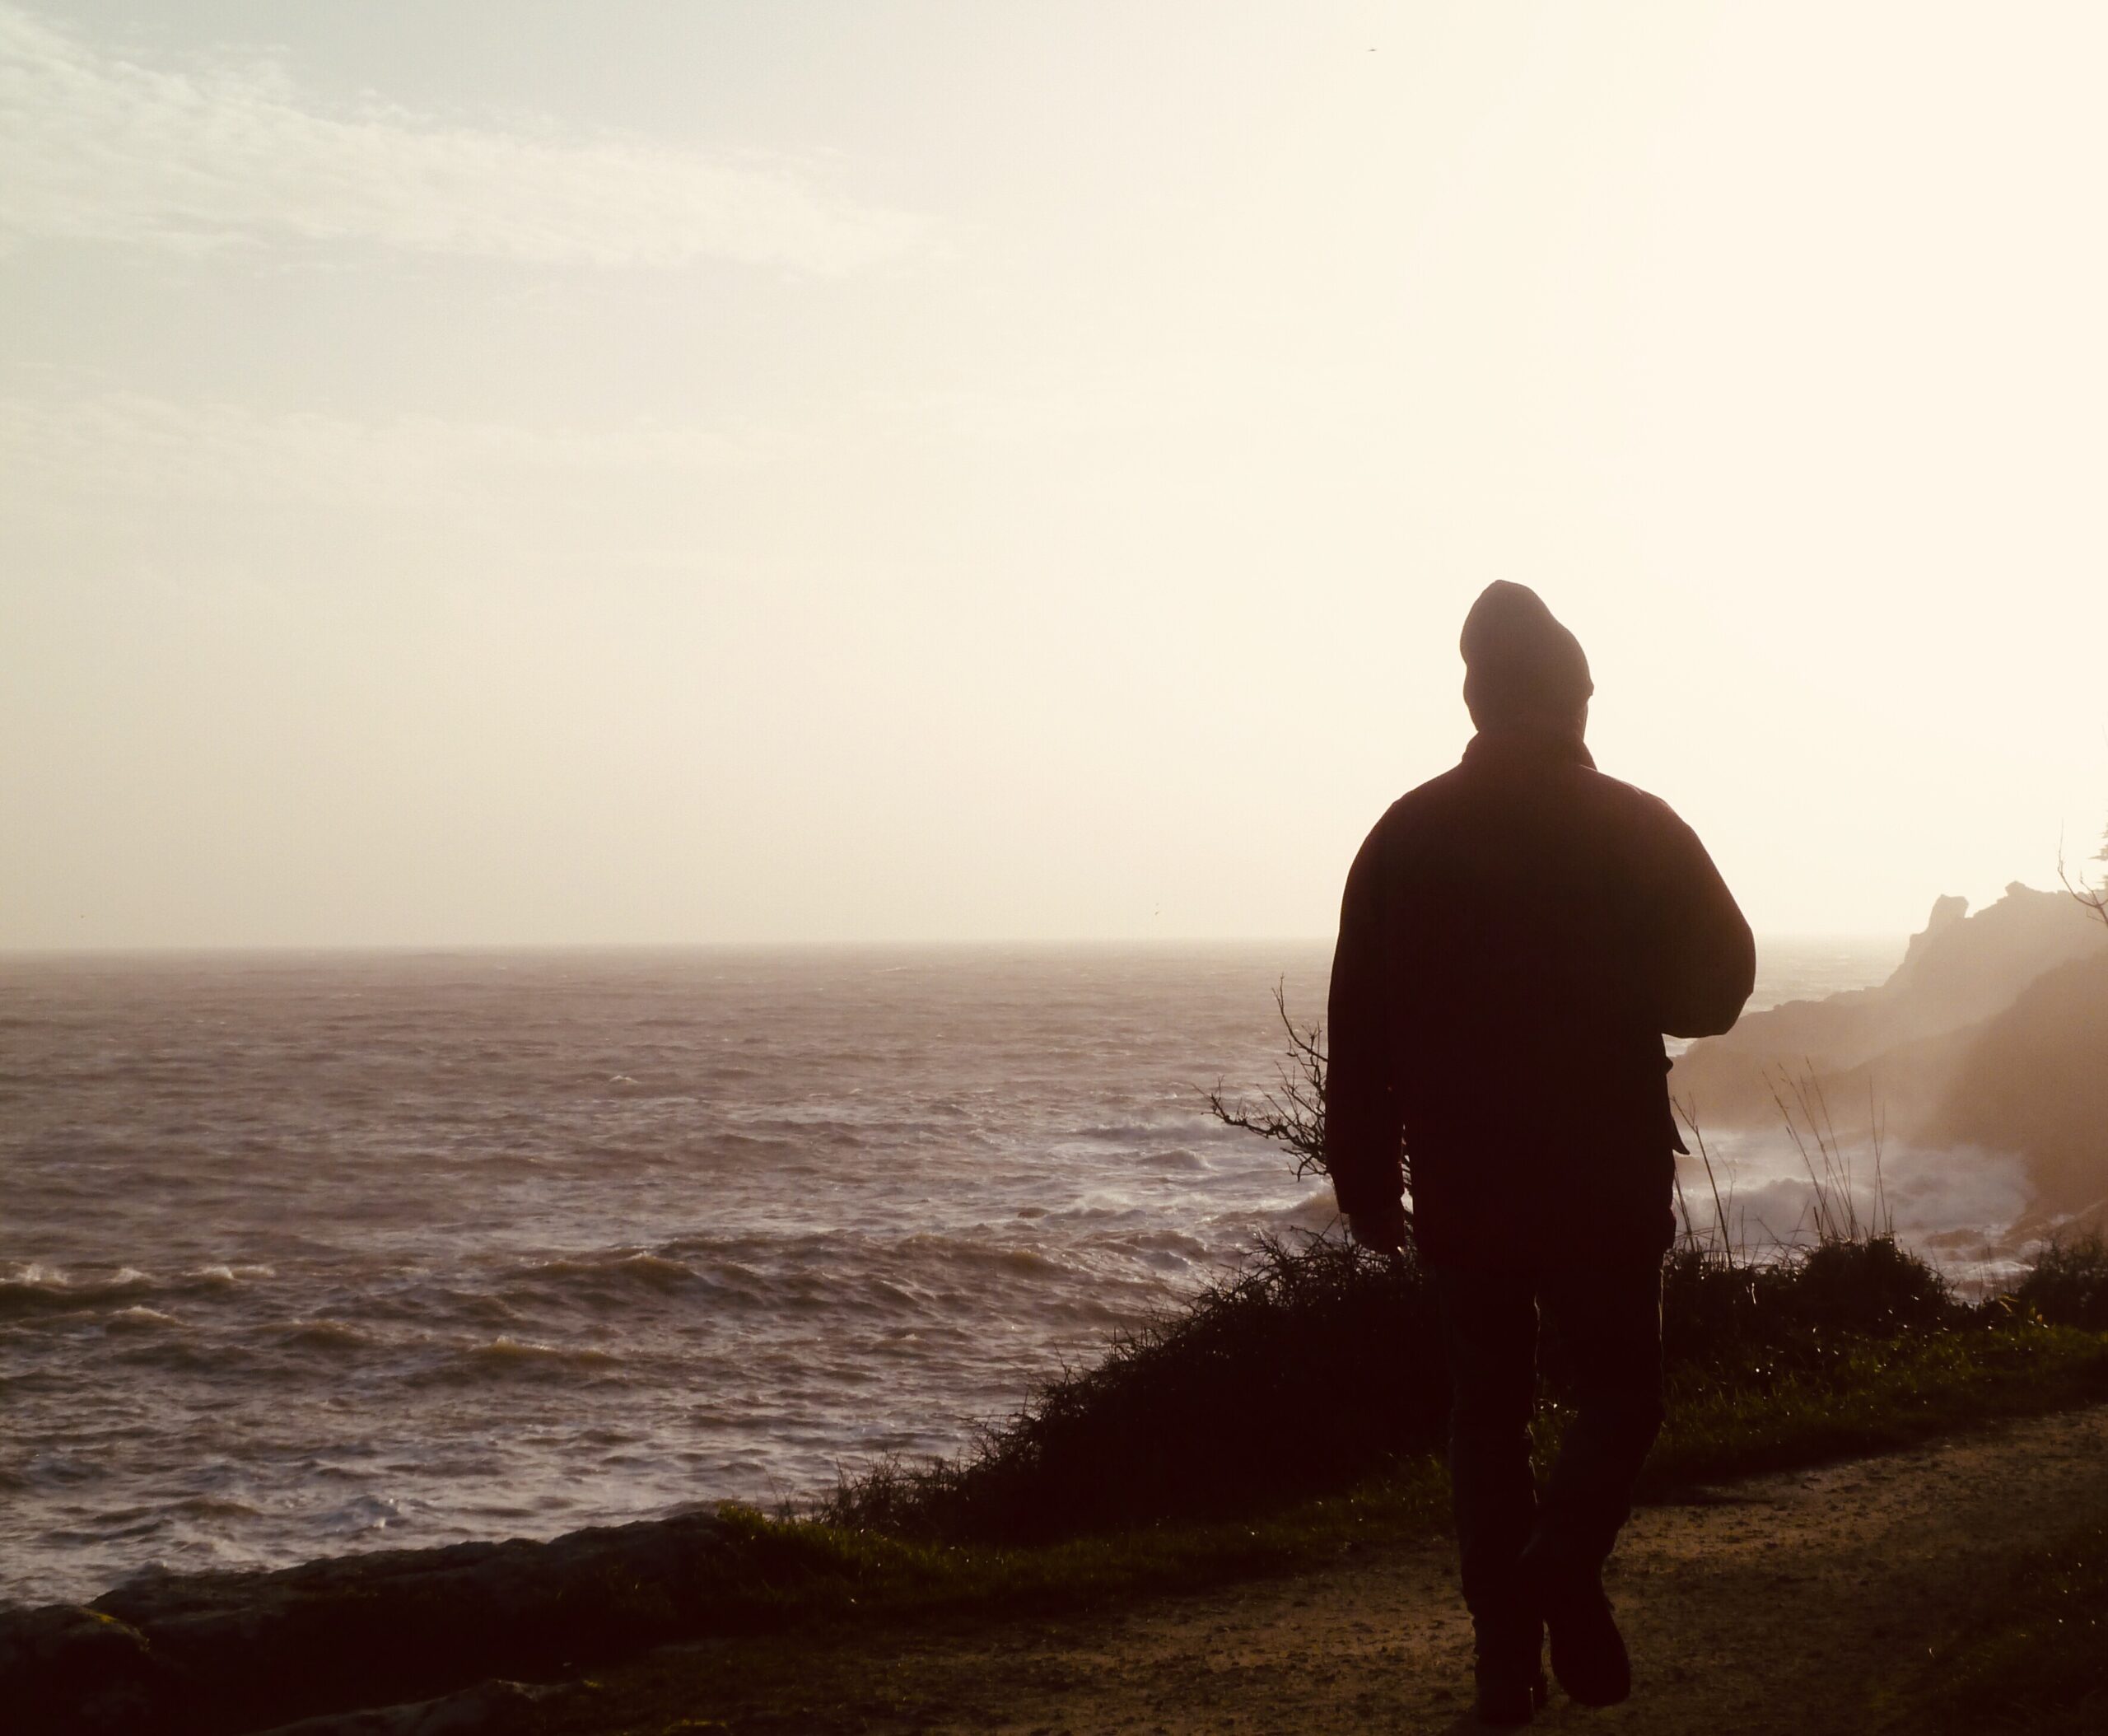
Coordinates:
1521 669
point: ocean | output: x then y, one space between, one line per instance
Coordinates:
307 1253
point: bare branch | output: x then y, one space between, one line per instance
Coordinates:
2095 899
1292 1115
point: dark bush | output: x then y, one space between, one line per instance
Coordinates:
1317 1366
1874 1285
1715 1309
2067 1284
1301 1374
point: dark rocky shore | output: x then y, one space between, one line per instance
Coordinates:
215 1654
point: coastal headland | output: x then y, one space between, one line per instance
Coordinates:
1987 1038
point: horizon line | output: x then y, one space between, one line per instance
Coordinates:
176 950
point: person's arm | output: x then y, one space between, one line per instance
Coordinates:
1706 962
1363 1118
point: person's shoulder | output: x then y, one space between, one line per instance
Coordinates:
1422 812
1617 789
1637 807
1422 801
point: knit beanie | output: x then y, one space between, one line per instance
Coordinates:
1518 660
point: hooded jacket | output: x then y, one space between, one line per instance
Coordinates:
1516 936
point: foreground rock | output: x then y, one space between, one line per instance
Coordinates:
488 1709
197 1654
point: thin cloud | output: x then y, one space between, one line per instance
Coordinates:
126 445
96 148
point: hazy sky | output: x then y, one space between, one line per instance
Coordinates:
517 471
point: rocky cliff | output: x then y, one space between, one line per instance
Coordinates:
1992 1032
2033 1080
1959 971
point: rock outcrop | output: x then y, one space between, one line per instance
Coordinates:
489 1709
1903 1037
193 1653
1992 1032
2034 1081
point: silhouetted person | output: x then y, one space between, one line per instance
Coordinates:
1516 936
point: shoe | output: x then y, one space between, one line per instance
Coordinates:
1505 1700
1587 1652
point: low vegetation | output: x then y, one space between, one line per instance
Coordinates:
1318 1370
1263 1390
2069 1282
1045 1517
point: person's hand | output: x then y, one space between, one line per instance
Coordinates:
1384 1231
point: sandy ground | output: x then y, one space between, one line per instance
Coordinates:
1769 1605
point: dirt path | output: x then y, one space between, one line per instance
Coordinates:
1769 1607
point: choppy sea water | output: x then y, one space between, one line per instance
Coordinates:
301 1254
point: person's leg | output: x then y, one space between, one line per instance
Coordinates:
1490 1336
1606 1317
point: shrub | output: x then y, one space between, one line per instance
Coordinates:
1874 1284
1321 1365
1304 1372
2067 1283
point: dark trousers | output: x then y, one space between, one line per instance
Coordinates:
1604 1321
